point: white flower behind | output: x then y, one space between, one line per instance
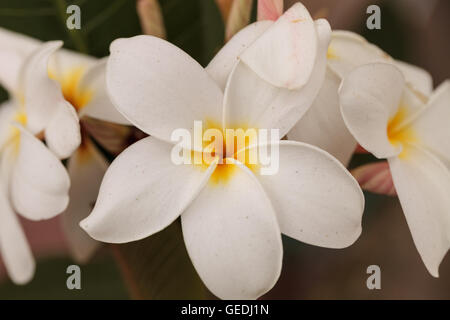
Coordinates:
33 183
392 121
323 125
54 88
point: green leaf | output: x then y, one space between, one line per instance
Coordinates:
195 26
159 267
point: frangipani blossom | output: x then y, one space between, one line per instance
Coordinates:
232 217
348 50
33 183
391 120
323 125
58 87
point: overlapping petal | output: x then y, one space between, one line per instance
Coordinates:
65 60
86 169
62 133
233 239
323 126
285 54
143 183
252 102
39 181
159 88
223 62
14 48
99 105
42 95
370 96
419 79
14 248
431 124
7 112
349 50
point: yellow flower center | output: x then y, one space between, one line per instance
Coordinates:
399 132
331 53
233 144
71 89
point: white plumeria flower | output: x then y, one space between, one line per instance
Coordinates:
391 121
33 183
323 125
231 216
56 88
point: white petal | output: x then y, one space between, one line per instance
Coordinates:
42 95
233 238
323 126
100 105
14 248
142 193
159 88
422 183
286 53
253 102
431 125
7 113
418 78
349 50
220 67
39 182
14 49
316 199
86 169
370 96
65 60
62 133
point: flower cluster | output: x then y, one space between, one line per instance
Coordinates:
327 92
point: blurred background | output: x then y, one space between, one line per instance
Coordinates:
414 31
